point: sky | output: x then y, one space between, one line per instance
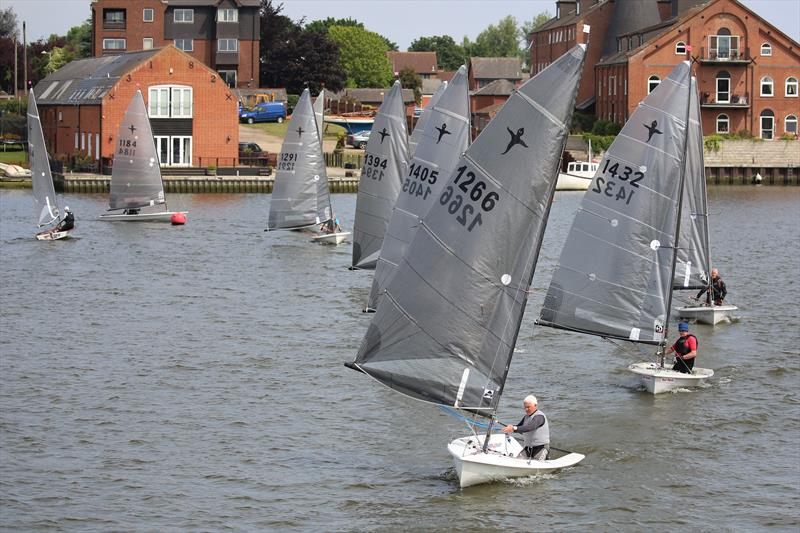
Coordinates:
401 21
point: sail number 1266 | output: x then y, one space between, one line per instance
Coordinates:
467 207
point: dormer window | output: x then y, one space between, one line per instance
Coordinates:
766 49
227 15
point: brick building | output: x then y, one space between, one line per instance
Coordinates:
423 63
223 34
485 70
748 70
83 103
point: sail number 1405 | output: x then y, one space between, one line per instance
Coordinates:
608 187
467 207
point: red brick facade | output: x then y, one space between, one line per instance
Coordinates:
214 117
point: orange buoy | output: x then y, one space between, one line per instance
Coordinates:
178 219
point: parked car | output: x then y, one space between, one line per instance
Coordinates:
263 112
358 140
251 154
250 149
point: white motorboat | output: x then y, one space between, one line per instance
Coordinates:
578 176
136 181
332 238
707 314
500 462
657 379
46 208
445 328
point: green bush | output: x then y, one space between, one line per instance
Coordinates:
291 102
581 122
600 143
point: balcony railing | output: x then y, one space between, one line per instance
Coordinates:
728 56
708 100
113 24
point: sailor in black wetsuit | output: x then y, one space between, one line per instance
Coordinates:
717 288
68 222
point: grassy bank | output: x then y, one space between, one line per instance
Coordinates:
16 157
279 130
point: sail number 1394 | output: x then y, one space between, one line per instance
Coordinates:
467 207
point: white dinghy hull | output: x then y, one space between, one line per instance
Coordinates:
571 182
165 216
332 238
705 314
500 462
657 380
51 235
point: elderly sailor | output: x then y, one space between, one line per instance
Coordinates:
534 429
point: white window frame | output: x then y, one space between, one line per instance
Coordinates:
680 48
152 14
766 49
226 14
170 101
786 121
651 81
108 41
717 98
97 146
723 118
762 129
183 18
184 41
76 139
146 45
767 81
791 81
235 42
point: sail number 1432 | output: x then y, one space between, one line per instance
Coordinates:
608 187
467 208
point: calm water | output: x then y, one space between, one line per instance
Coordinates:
171 378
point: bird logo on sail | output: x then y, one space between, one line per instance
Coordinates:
442 132
488 394
383 133
300 131
516 138
652 129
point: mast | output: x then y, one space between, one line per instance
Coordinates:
663 345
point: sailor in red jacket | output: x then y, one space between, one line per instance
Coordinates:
685 349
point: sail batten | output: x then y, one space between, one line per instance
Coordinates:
614 277
385 164
136 175
449 319
300 194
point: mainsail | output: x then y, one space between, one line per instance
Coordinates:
44 194
319 112
445 138
693 266
300 195
422 122
614 277
136 174
385 164
447 324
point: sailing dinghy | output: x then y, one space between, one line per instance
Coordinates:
450 316
301 198
615 274
137 189
444 139
693 268
385 165
47 210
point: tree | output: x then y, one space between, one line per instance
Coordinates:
363 56
501 40
8 23
411 80
527 29
294 58
449 55
325 25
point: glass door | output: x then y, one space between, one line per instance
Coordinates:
162 147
